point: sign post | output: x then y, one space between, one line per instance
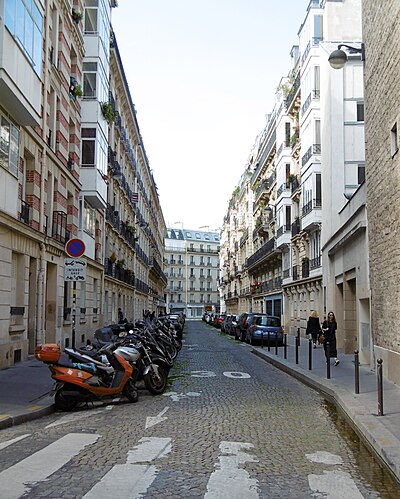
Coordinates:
75 270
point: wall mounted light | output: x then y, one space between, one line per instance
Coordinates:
338 58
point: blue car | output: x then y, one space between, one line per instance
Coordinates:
263 325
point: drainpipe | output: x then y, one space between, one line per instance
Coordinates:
39 298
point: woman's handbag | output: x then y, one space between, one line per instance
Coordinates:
321 339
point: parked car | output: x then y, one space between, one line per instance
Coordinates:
243 324
218 319
266 325
231 324
223 323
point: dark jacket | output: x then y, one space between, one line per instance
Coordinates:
313 326
330 336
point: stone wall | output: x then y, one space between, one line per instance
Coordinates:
381 28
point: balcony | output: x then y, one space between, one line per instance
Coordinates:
264 252
315 262
293 92
59 229
311 214
25 213
313 150
94 187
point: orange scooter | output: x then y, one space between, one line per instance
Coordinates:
84 382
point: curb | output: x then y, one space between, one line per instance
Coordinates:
25 417
367 426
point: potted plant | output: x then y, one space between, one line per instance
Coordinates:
75 89
113 257
76 16
291 178
107 111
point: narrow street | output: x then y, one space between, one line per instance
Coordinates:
229 426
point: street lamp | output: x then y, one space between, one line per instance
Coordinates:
338 58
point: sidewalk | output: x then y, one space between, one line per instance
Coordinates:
382 433
20 388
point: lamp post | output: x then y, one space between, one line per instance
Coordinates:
338 58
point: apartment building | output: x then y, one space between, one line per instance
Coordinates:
381 35
192 270
55 178
135 226
309 254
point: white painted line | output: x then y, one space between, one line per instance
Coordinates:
42 464
334 485
5 444
131 479
229 481
153 420
71 418
203 374
324 458
236 375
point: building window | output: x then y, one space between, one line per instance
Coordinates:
9 146
89 219
394 140
287 134
89 79
24 21
88 146
360 111
91 16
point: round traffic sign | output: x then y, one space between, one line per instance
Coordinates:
75 248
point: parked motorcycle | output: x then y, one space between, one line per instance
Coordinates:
90 378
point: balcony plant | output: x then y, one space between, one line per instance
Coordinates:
74 88
291 178
113 257
76 16
107 111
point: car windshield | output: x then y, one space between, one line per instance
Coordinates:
268 321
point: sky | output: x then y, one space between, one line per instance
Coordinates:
203 75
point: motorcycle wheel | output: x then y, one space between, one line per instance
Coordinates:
156 383
64 402
130 391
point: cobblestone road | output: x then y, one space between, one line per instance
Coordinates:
230 426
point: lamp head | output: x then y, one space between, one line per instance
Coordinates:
337 59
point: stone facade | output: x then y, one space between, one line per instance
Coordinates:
381 30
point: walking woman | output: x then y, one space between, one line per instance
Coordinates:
314 327
329 328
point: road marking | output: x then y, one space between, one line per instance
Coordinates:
334 485
132 479
236 375
176 397
203 374
229 481
153 420
324 457
42 464
5 444
70 418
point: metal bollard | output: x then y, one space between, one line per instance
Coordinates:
285 346
328 360
269 343
380 386
310 354
356 373
297 344
262 339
